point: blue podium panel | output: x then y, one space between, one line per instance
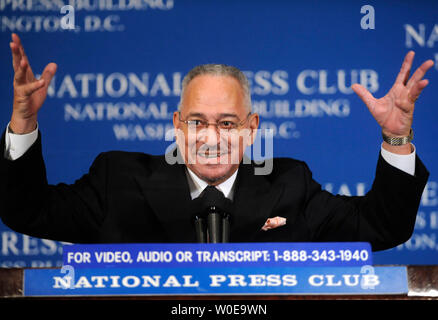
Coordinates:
193 255
215 281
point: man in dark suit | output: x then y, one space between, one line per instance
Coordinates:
136 197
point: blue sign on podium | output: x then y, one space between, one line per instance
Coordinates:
216 269
282 254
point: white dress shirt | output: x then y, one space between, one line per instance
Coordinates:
197 185
17 144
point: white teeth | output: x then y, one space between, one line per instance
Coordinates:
214 155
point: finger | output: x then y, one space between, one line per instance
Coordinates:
16 56
20 75
17 41
406 78
415 91
364 95
49 72
15 38
419 73
30 88
403 75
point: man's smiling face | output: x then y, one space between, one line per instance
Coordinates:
213 153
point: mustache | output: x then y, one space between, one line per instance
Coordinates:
213 154
215 149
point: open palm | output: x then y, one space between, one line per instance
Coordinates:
29 92
394 112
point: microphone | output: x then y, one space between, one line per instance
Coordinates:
212 221
214 226
201 230
226 228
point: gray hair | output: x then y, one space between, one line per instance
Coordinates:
218 70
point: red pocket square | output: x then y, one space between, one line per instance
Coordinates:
273 223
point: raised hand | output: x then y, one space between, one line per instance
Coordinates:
394 112
29 92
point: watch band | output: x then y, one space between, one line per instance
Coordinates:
399 141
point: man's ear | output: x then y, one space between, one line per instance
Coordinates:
253 125
176 122
179 133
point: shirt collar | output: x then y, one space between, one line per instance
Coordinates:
197 185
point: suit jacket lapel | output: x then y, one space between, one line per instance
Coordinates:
254 199
167 193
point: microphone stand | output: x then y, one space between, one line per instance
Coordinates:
212 220
201 230
218 226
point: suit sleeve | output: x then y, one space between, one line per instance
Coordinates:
29 205
385 216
